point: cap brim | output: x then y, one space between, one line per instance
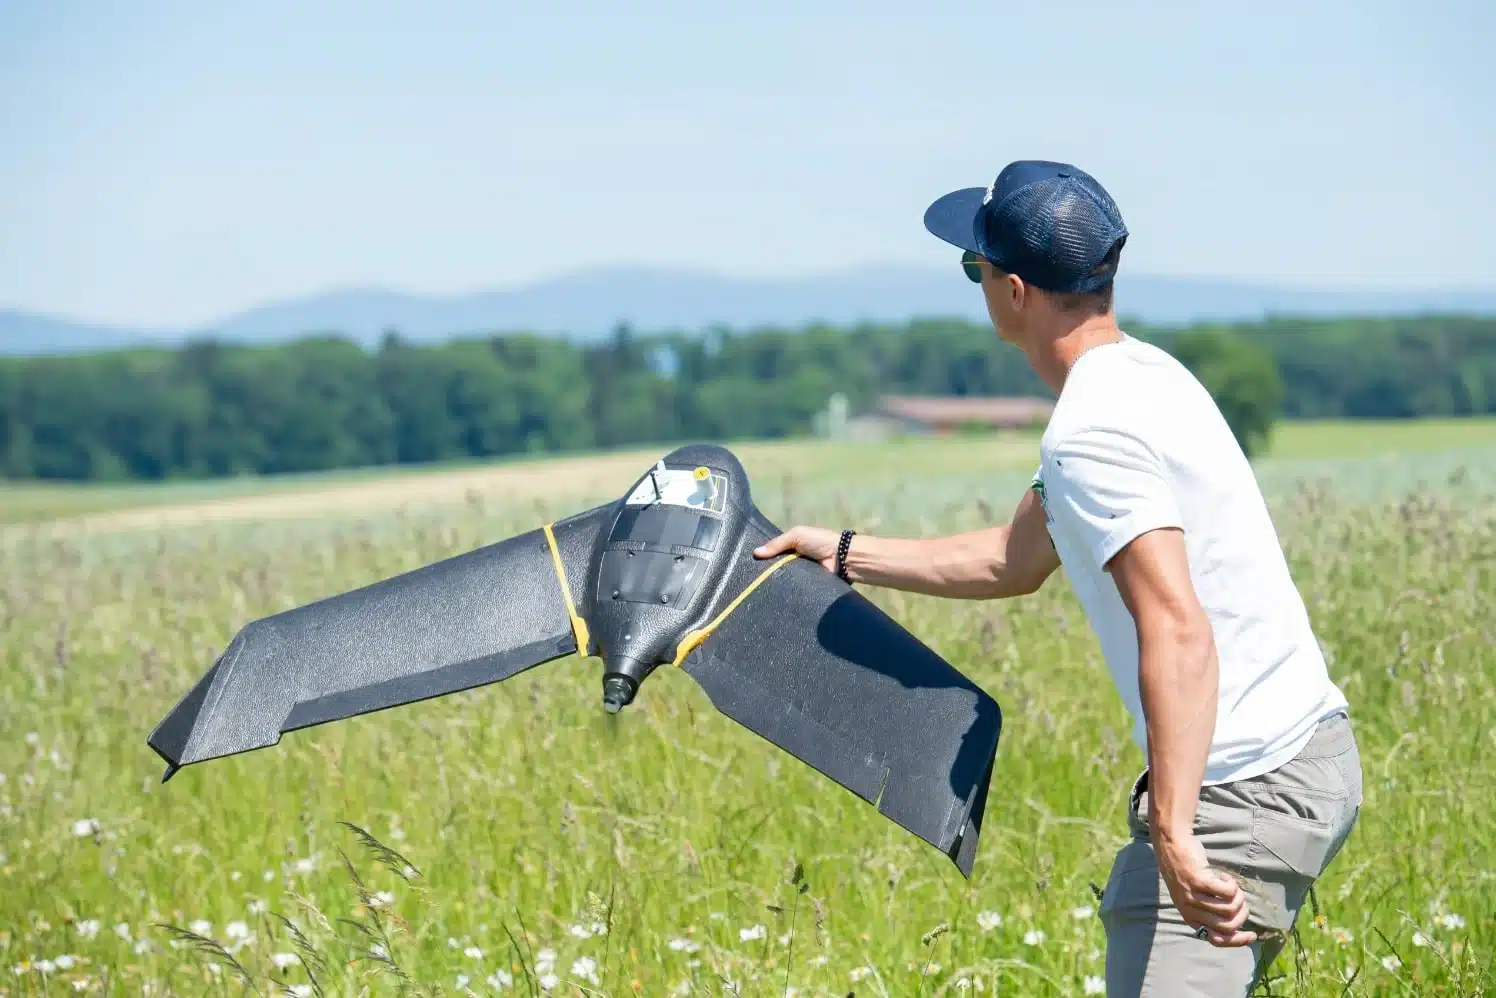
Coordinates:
953 217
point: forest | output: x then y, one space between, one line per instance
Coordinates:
210 408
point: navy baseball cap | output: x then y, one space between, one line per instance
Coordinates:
1051 224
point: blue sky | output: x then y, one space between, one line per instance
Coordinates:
168 163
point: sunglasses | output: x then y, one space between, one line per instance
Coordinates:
972 264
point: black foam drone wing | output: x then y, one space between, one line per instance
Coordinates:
664 575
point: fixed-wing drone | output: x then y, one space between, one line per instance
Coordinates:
664 575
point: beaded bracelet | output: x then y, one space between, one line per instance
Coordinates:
841 554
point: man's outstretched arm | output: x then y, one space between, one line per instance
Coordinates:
992 563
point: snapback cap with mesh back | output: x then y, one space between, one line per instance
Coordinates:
1051 224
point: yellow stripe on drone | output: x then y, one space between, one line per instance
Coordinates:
692 640
578 625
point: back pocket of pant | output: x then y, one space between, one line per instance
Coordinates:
1302 845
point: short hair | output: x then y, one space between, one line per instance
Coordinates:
1099 301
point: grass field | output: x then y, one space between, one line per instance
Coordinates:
655 852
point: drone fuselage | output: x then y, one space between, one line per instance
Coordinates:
662 561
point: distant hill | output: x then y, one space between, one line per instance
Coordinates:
587 304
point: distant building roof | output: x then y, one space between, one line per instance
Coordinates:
957 410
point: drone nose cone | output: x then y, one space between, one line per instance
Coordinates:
618 692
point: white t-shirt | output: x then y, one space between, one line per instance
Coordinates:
1136 443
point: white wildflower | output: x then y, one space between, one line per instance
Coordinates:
46 966
1033 937
599 928
88 928
858 973
256 906
580 931
988 920
682 989
301 990
716 916
683 945
784 940
122 930
142 946
452 943
1391 962
1452 921
1093 985
545 961
32 738
214 969
82 983
752 932
284 961
963 984
383 899
236 930
305 866
549 981
462 981
500 979
1343 936
819 960
378 950
269 876
85 827
1084 911
473 953
1419 939
234 876
201 926
65 962
585 968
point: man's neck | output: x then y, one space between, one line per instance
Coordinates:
1052 356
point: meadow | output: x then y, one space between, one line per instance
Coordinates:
517 840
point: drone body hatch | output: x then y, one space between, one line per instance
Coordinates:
664 575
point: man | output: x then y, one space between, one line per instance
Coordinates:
1145 498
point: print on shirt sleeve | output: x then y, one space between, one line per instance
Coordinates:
1038 486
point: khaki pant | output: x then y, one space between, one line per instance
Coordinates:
1275 833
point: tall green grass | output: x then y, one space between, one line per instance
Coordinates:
516 835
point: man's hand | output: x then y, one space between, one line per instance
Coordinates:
816 543
1204 897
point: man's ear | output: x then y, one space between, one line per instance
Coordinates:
1017 290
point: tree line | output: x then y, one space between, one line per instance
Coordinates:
211 408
